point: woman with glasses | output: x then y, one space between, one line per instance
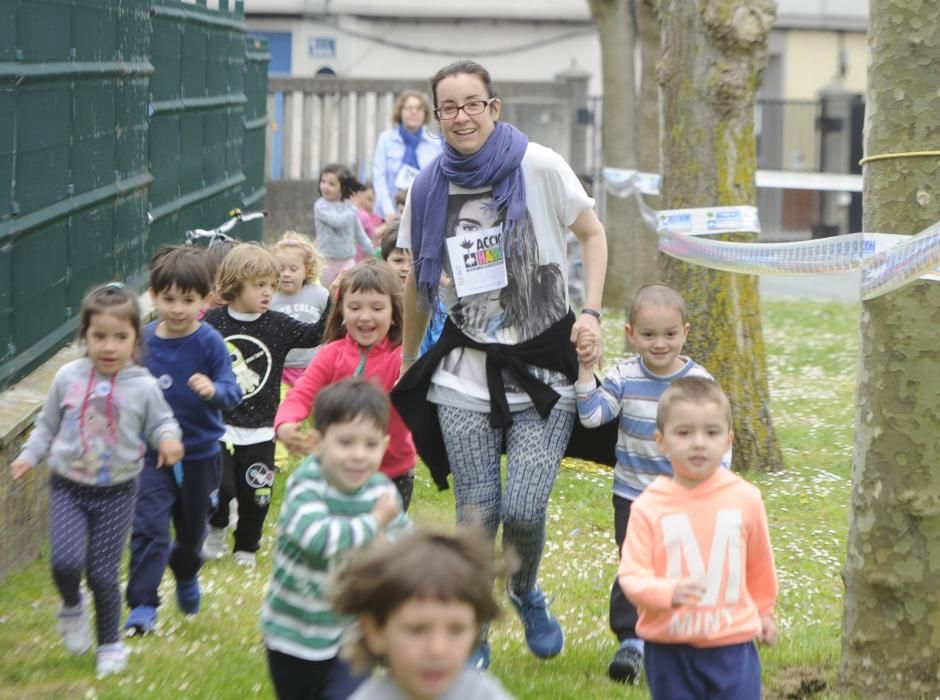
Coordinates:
402 151
493 213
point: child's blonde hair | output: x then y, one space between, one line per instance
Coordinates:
299 243
696 390
246 262
425 565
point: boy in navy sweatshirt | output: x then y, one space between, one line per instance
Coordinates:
192 365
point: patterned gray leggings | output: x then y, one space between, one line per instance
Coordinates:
534 448
88 528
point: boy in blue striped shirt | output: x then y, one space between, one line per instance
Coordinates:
336 502
657 329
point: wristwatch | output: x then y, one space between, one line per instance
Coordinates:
592 312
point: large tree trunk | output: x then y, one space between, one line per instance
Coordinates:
891 618
713 52
644 252
614 21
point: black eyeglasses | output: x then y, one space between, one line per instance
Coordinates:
471 109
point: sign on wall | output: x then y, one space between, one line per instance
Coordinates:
322 47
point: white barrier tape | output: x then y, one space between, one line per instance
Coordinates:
886 261
622 183
902 263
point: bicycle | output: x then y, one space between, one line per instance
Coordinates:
220 233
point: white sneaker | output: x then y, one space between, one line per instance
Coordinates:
246 559
74 628
111 658
214 546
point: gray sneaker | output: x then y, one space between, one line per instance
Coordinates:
246 559
111 659
214 546
74 628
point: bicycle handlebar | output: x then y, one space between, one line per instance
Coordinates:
221 231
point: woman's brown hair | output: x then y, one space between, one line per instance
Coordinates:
462 68
403 98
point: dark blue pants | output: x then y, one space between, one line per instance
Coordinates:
623 615
300 679
160 498
683 672
87 531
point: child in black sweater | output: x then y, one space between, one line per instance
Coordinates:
258 340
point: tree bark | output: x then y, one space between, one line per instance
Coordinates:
891 614
713 52
614 21
644 252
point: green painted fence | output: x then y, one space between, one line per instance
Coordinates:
122 124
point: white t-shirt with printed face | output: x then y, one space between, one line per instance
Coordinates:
536 293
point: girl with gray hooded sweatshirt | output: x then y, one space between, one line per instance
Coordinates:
92 427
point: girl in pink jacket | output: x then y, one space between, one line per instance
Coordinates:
362 339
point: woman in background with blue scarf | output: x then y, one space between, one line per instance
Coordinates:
493 212
402 151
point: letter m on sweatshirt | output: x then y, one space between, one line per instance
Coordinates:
724 555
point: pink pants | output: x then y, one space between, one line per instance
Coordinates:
290 375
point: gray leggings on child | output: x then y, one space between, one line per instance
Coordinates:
534 448
88 532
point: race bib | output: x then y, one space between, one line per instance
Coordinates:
476 260
406 175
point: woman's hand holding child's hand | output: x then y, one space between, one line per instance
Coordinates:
688 591
768 630
586 348
169 452
296 441
386 508
203 386
19 467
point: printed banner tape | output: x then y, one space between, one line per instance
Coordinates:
886 261
709 220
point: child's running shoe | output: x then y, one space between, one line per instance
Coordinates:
627 663
141 620
188 595
543 634
111 658
74 628
480 657
246 559
214 546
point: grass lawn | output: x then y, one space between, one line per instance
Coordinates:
812 351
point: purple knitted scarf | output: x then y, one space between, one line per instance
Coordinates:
498 164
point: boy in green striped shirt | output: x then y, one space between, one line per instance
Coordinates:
336 501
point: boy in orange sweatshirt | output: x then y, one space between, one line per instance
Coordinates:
697 561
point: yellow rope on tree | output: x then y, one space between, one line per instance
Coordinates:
889 156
